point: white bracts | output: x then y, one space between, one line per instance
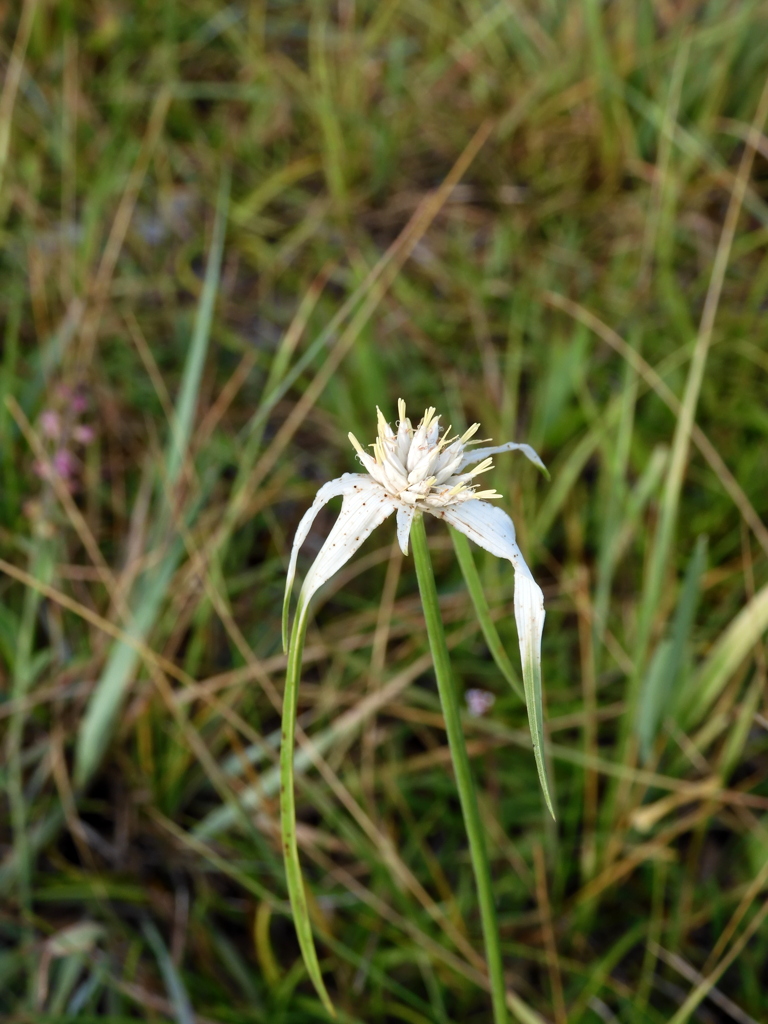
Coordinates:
414 470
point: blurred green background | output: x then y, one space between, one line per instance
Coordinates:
229 232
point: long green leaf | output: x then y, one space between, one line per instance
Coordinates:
735 644
193 367
103 710
294 879
660 684
174 986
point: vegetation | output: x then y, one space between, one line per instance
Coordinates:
230 231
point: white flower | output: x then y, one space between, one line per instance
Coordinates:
417 470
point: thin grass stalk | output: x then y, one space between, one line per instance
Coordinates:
294 880
461 766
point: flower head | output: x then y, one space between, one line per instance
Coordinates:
414 470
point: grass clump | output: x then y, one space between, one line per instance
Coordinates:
230 232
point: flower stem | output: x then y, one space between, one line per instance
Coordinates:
295 882
461 765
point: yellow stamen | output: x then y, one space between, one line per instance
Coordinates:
481 467
456 489
429 415
356 444
470 433
446 439
401 408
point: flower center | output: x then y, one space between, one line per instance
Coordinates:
418 466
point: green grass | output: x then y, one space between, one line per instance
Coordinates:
222 248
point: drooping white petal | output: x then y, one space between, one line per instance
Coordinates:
491 528
365 506
481 453
404 520
341 485
487 525
529 616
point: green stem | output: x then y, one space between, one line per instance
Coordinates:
461 766
295 882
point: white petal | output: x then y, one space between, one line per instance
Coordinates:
448 463
392 468
491 528
423 467
420 444
386 433
529 616
370 463
404 437
487 525
366 505
482 453
404 520
342 485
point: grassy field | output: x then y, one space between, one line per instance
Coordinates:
229 233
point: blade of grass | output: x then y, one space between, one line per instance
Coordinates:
462 769
41 565
193 368
174 986
13 75
99 291
658 687
653 378
706 985
617 445
8 385
733 646
103 709
659 560
104 706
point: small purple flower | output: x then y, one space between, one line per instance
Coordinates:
79 402
479 701
50 424
83 434
64 464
